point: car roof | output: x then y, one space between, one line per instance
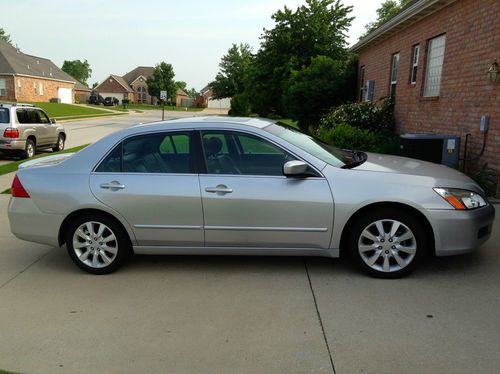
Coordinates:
205 121
17 105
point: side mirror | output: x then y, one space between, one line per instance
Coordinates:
295 168
53 121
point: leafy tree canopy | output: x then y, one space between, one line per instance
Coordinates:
387 10
233 74
317 28
161 80
4 36
80 70
313 90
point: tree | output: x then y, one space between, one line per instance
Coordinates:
182 85
317 28
387 10
79 70
162 79
192 93
4 36
232 76
313 90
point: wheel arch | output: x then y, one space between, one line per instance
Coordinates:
32 138
381 205
70 217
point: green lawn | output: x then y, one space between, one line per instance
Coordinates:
13 166
61 111
6 372
167 107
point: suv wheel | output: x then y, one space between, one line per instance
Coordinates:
60 144
29 150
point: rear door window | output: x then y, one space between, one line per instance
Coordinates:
165 153
43 117
33 116
22 116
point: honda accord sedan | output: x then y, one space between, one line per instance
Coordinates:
229 186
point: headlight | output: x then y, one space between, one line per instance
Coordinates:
461 199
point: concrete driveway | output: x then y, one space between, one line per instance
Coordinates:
245 314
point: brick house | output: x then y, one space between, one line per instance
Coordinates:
115 86
433 57
25 77
136 79
133 86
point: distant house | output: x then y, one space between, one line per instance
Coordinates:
115 86
182 99
437 59
25 77
82 92
209 102
136 79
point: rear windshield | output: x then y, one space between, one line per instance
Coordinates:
4 115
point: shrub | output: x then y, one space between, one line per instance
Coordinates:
364 115
487 178
240 106
350 137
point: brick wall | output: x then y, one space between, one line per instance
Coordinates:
111 85
30 89
472 31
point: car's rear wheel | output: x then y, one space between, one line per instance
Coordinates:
97 244
60 143
388 244
29 149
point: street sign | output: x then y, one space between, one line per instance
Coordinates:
163 95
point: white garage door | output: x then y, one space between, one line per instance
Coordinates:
65 94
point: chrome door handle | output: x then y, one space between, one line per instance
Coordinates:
222 189
113 185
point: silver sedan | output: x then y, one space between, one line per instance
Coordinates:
228 186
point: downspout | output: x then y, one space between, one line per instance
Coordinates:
15 87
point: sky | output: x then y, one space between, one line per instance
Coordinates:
117 36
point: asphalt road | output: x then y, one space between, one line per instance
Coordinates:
187 314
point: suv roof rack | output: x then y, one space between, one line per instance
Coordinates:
23 104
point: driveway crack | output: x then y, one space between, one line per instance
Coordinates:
25 269
319 317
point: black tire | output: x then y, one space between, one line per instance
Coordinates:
60 143
121 242
29 149
397 252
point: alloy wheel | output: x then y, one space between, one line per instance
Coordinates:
95 244
387 245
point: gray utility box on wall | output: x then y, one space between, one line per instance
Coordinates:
438 148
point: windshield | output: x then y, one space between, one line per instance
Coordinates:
325 152
4 115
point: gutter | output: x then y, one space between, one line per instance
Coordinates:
398 19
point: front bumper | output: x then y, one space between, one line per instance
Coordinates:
461 231
27 222
12 145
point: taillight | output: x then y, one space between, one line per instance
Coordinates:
11 133
17 189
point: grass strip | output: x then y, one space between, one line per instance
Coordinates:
13 166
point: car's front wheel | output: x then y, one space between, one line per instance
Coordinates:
97 244
60 144
387 244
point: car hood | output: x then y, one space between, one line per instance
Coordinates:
444 176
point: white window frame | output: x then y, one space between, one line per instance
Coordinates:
40 88
414 65
362 83
434 67
394 73
20 86
3 87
